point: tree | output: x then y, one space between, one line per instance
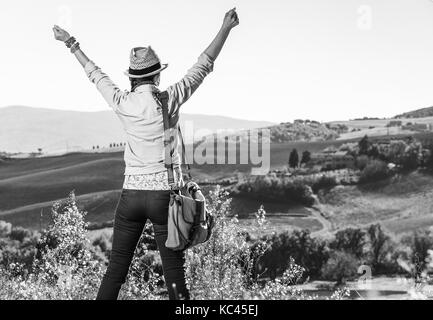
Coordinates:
361 162
294 159
374 152
364 146
340 267
429 157
411 157
310 252
350 240
379 246
306 156
375 170
420 244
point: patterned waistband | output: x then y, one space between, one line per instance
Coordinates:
152 181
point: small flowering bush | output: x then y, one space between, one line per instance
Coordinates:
67 266
17 247
213 268
225 266
145 275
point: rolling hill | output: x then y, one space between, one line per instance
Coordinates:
376 128
419 113
25 129
28 187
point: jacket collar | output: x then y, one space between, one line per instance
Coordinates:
146 88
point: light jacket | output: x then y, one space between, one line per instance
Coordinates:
141 115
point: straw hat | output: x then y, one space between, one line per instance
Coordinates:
144 63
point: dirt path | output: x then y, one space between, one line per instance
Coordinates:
328 227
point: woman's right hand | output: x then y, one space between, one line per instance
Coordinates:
60 34
231 19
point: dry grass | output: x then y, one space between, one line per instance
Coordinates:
395 203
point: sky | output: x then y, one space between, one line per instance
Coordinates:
288 59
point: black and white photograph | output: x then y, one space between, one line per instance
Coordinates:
230 150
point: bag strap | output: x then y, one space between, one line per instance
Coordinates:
184 161
168 140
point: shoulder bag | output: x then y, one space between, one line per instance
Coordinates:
189 223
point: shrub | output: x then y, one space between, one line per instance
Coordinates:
275 258
324 182
411 157
350 240
223 268
17 248
65 257
361 162
420 244
428 162
103 243
277 188
374 171
214 268
19 234
310 253
340 267
145 274
5 229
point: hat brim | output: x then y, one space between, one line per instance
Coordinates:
164 66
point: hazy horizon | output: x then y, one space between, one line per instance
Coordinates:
200 114
109 110
300 59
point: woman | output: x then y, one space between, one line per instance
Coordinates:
146 191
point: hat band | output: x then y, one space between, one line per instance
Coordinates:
142 72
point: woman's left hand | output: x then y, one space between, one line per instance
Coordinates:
60 34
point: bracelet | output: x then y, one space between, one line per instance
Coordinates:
75 47
70 42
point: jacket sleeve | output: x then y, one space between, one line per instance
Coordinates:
181 91
111 93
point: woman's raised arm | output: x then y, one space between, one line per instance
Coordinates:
64 36
109 90
231 20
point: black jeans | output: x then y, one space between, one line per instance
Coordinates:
133 210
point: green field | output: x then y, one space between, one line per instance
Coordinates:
402 204
26 182
28 188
